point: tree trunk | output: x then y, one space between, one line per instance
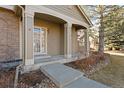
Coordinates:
101 41
101 32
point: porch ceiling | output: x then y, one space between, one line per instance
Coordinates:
49 18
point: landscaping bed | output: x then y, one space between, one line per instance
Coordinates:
91 64
7 78
34 79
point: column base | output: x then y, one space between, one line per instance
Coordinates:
68 56
29 61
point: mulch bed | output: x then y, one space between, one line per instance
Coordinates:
7 78
34 79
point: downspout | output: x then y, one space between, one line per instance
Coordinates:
23 30
19 67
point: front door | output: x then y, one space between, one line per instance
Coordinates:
40 41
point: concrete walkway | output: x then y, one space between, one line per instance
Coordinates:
67 77
115 53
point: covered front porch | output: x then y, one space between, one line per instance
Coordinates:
51 39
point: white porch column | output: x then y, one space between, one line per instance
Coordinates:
28 38
68 40
87 47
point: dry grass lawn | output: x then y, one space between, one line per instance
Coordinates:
113 74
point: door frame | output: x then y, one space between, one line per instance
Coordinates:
45 40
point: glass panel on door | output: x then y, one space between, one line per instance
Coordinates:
39 41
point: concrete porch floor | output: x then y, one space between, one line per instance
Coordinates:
58 58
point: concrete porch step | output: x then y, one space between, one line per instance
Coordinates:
60 74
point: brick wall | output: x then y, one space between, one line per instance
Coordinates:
9 35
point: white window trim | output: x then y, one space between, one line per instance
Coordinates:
45 40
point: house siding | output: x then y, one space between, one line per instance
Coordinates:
9 35
68 10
